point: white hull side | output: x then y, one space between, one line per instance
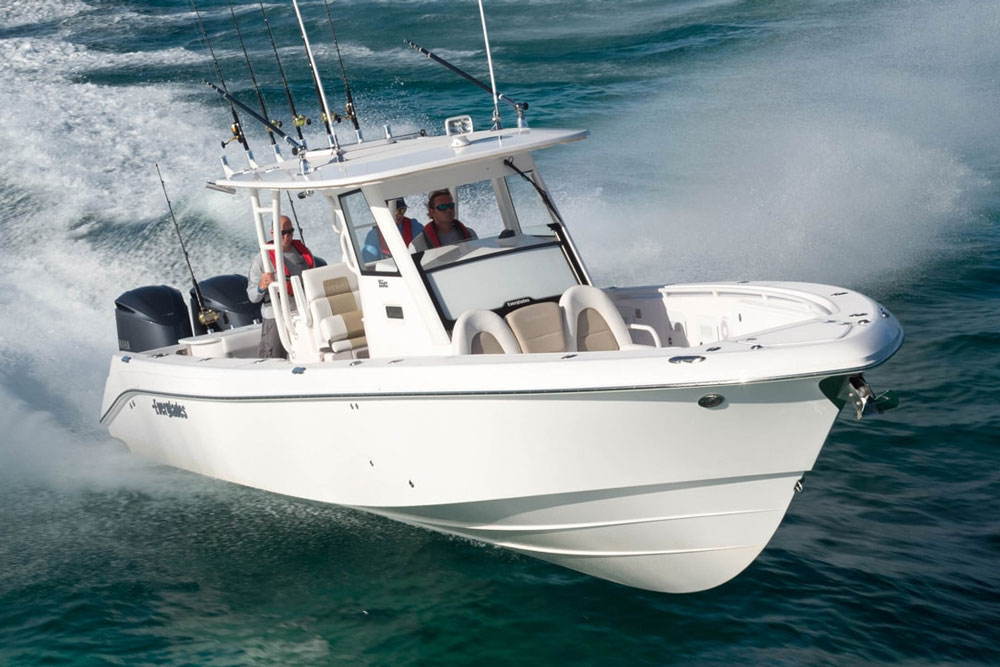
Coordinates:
675 538
639 486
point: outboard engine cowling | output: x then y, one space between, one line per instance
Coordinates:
226 295
150 317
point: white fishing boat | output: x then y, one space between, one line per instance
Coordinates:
653 436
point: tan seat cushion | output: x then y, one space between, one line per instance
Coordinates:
349 344
482 332
538 327
593 333
339 295
340 327
485 343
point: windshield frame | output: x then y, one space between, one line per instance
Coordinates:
557 240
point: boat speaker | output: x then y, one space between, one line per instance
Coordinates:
150 317
227 296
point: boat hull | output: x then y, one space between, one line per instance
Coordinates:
642 486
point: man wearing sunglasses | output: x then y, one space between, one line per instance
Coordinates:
444 228
297 259
375 247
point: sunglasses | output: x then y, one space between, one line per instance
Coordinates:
445 207
289 232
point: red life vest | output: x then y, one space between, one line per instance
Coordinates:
405 228
430 233
306 255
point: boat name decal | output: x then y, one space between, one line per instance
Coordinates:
518 302
170 409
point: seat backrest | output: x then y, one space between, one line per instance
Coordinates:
331 280
538 327
593 322
483 332
333 300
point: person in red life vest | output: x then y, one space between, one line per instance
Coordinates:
444 228
409 229
297 258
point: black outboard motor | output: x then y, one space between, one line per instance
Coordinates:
227 296
150 317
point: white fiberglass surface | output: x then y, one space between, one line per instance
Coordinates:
535 273
713 316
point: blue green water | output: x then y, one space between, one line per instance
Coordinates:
847 142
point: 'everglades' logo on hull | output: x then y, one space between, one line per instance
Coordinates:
169 409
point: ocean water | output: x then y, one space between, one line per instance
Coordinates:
853 142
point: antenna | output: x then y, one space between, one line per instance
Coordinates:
489 60
327 117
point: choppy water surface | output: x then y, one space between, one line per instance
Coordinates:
853 143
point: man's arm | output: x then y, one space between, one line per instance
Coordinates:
254 293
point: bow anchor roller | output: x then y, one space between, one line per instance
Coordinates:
866 403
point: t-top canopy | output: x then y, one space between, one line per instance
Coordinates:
380 160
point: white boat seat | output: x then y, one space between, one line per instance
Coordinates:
331 294
593 322
483 332
538 327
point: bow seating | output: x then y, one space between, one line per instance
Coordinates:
584 320
483 332
593 322
539 327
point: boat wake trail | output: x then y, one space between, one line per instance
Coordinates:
75 234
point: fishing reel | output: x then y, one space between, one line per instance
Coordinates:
336 118
237 134
206 316
300 120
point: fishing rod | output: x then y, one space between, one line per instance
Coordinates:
295 215
331 135
349 108
519 107
206 316
271 127
489 62
297 120
253 78
236 128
